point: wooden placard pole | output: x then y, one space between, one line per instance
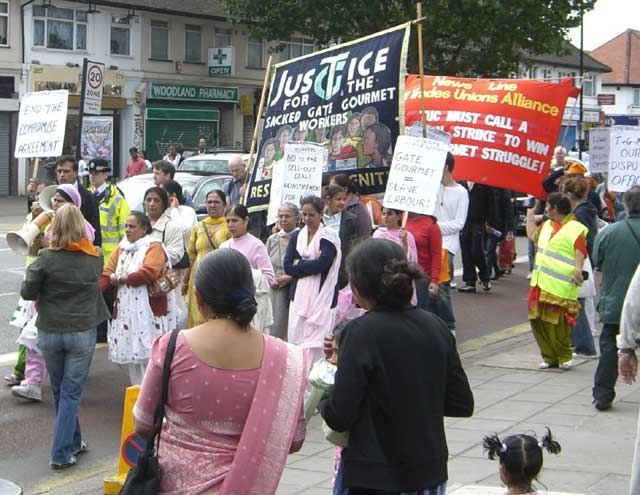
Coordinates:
418 22
256 128
36 167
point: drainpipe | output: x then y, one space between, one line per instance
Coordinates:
22 25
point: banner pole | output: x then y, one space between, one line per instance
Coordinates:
423 115
566 129
256 128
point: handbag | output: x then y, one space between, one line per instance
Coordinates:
144 477
184 261
166 282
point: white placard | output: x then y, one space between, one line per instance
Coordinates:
599 144
416 171
275 193
93 88
41 124
624 158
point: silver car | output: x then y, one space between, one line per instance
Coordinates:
211 163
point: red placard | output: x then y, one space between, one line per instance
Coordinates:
504 130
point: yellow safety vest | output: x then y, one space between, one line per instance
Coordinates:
555 259
113 215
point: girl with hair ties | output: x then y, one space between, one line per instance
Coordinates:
520 459
395 418
234 409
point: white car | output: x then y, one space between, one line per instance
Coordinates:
211 163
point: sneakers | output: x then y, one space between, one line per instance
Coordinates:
12 380
529 275
567 366
545 366
71 462
453 285
486 286
83 448
585 356
601 405
27 391
467 288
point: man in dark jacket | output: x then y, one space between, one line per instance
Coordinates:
67 173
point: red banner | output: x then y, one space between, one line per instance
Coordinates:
504 130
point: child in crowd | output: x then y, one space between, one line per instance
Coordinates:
520 459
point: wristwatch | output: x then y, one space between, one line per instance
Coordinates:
627 351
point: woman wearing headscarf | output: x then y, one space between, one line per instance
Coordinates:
64 281
288 216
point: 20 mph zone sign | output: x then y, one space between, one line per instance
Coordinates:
94 80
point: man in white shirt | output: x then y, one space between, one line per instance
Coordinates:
451 212
173 156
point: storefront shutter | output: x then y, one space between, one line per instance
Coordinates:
5 152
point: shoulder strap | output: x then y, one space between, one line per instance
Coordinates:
206 231
635 236
158 415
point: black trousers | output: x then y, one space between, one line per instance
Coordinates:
604 381
472 246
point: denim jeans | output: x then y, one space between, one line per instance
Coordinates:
581 336
604 382
492 253
68 357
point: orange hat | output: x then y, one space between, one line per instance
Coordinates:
576 167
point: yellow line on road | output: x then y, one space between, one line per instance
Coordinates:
76 475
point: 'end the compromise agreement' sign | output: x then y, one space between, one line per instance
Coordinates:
415 175
41 124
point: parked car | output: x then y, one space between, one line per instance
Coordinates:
211 163
197 185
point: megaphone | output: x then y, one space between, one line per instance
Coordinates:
46 198
20 241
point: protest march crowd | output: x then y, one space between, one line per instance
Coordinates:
238 330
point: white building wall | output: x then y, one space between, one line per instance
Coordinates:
624 100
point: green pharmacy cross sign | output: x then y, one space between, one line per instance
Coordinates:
220 61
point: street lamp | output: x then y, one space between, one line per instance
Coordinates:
580 136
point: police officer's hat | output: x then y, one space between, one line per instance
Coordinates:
99 165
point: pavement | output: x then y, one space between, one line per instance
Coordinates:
498 353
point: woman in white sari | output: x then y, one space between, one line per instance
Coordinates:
138 319
313 261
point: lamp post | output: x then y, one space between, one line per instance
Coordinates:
580 129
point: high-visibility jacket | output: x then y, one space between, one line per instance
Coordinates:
555 259
114 211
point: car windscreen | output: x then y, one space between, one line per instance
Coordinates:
219 166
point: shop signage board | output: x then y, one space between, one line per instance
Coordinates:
192 92
220 61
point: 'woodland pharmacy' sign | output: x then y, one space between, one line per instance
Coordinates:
192 92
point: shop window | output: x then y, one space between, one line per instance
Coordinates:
58 28
296 47
193 43
4 23
222 38
254 53
636 97
589 85
120 35
7 87
160 40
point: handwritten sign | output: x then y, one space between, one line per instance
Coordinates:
599 145
415 174
41 124
297 175
624 158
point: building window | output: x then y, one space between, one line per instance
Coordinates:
193 43
254 53
58 28
546 74
296 47
589 85
532 73
222 38
636 97
120 35
160 40
4 23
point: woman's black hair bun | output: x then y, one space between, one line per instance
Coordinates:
244 311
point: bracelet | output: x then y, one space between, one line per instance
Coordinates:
627 351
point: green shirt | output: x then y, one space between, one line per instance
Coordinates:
616 255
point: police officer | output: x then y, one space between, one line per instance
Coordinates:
114 211
112 206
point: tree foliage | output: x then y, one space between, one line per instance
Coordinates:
461 37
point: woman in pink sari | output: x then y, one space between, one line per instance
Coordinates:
234 409
313 260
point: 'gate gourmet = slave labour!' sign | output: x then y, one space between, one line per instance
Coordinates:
41 124
415 175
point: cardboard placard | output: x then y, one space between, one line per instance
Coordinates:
599 144
416 172
41 124
624 158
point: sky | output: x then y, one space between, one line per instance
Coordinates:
608 19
